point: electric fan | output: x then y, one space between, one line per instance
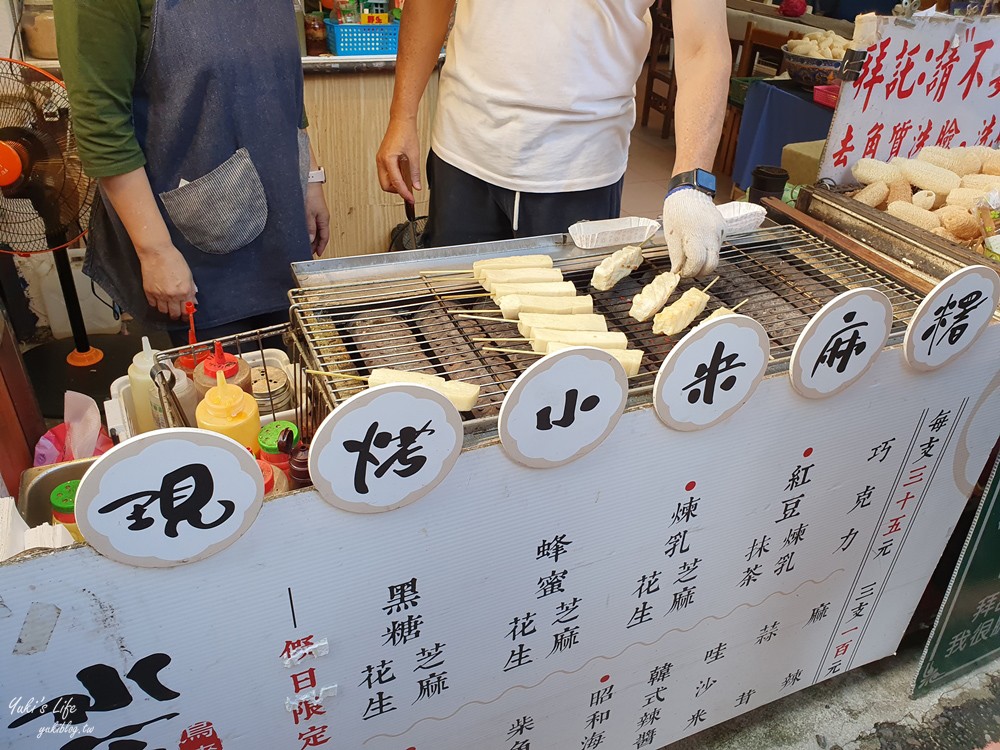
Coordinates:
44 200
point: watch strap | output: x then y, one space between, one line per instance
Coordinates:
689 180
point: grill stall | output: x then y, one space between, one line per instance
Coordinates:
738 554
426 313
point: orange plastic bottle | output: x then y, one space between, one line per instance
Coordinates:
231 411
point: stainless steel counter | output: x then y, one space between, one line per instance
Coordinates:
351 63
325 64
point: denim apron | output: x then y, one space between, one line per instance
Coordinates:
217 109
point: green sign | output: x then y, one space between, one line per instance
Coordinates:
967 631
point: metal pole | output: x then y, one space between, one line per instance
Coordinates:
73 310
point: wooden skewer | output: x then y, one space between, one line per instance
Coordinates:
483 317
456 272
465 296
737 307
525 351
712 284
489 341
343 375
512 351
459 311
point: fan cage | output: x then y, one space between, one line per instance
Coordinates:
35 109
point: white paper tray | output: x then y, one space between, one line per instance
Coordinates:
742 217
628 230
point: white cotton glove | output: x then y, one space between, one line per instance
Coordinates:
693 227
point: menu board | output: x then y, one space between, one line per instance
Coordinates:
926 81
663 583
967 632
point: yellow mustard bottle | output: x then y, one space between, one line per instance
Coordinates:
231 411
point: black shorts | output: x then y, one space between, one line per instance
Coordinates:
464 209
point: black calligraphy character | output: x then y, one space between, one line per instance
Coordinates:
430 658
90 742
106 691
184 493
838 350
409 462
544 416
952 328
707 376
520 727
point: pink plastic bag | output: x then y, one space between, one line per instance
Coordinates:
81 436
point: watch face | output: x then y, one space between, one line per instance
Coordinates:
706 180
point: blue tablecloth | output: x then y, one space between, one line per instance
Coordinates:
775 114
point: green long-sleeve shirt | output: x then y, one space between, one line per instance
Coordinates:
102 46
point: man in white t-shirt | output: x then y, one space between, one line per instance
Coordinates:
535 108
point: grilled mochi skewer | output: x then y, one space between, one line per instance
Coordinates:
616 267
511 262
678 316
720 312
653 296
528 322
542 337
463 395
513 305
539 289
631 359
491 277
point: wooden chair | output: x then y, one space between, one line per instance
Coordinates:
758 44
661 43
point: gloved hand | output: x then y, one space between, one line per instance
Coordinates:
693 227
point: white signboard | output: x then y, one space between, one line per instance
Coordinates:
926 82
662 584
711 373
386 447
952 317
562 407
840 343
169 497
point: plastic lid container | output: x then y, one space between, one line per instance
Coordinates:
268 473
63 497
769 179
271 434
222 362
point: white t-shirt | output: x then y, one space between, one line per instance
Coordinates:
540 96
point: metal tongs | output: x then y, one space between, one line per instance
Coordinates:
163 378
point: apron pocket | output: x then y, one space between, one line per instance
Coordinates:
223 210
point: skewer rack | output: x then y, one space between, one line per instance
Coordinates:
403 311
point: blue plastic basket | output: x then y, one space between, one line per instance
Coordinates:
362 39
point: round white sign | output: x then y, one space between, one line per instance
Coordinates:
385 447
562 407
169 497
711 373
840 343
951 318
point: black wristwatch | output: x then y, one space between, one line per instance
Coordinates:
697 179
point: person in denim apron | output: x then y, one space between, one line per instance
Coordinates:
190 113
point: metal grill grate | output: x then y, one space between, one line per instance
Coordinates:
419 322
